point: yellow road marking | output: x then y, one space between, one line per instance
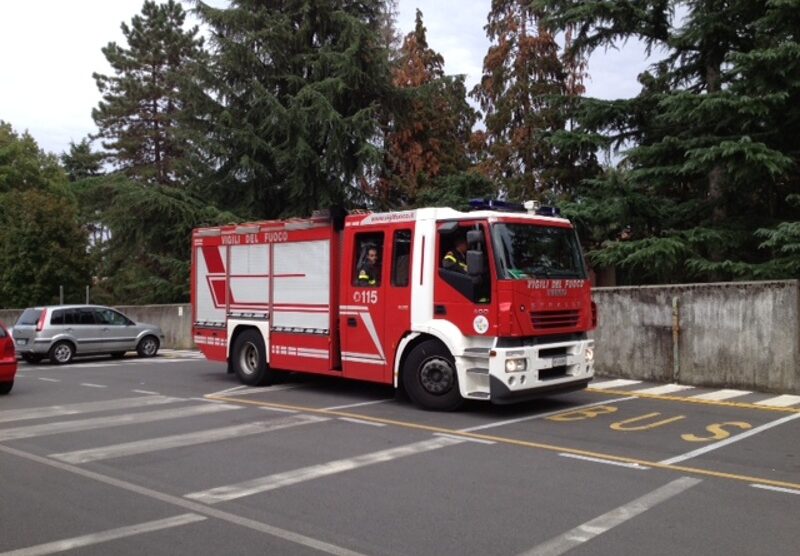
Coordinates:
740 405
516 442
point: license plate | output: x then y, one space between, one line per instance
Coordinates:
559 361
22 341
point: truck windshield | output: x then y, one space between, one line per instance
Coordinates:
531 251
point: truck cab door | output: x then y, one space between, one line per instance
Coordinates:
362 312
460 297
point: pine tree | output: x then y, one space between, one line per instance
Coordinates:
523 72
288 109
431 128
81 161
713 134
142 107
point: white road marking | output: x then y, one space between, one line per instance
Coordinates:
278 480
466 438
608 384
145 392
543 415
361 404
112 421
605 461
362 422
113 534
195 507
84 407
609 520
228 391
776 489
786 400
250 390
90 385
181 440
663 389
730 440
719 395
49 379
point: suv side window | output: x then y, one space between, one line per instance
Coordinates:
71 316
57 317
85 316
108 316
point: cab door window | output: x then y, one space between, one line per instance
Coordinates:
368 260
455 250
400 258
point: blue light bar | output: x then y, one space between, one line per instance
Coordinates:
548 211
495 204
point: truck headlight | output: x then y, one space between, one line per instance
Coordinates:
516 365
590 354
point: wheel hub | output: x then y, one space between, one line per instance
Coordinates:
437 376
249 359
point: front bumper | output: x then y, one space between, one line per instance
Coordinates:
549 368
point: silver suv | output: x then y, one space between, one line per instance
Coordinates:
60 332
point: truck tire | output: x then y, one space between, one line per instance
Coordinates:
61 353
5 387
430 378
249 359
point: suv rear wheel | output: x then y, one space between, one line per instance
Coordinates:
61 353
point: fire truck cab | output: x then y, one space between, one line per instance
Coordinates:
371 297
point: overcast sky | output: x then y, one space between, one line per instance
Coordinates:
51 47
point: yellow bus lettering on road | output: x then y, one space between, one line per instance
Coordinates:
623 425
717 431
583 414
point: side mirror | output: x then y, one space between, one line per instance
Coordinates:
475 263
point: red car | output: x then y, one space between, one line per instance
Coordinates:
8 361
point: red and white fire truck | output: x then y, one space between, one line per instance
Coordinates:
508 323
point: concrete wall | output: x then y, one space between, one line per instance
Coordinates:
742 335
174 320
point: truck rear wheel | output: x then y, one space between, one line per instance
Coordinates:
5 387
249 359
430 378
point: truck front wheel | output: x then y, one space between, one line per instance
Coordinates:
249 359
430 378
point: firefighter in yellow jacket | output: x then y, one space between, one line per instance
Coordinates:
369 270
456 258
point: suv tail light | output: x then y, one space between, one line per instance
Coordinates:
40 324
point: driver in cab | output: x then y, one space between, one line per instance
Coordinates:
456 258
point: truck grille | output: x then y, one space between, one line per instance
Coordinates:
555 319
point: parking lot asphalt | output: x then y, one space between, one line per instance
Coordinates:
171 456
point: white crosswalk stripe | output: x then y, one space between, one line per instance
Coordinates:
95 423
786 400
720 395
188 439
609 384
83 407
278 480
663 389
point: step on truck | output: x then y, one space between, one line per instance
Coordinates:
490 304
